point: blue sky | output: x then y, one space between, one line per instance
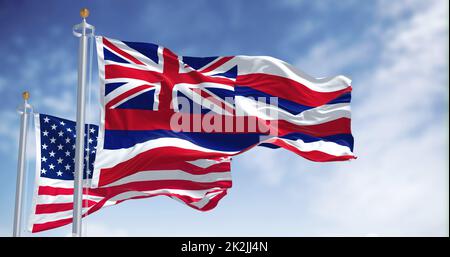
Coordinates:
396 53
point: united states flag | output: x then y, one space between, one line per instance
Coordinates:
55 151
143 85
53 194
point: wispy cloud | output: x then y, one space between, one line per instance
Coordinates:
399 184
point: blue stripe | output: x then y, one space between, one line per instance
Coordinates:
116 139
287 105
222 93
345 98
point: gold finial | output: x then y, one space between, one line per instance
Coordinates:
25 95
84 13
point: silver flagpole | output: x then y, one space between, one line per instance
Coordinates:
21 165
83 31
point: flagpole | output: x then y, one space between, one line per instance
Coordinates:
83 31
21 164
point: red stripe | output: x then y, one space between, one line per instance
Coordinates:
127 94
49 190
119 51
334 127
49 225
288 89
58 207
114 71
127 119
315 155
217 64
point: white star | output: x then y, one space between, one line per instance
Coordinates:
86 158
73 146
53 127
67 153
59 160
87 149
44 146
90 140
67 167
62 123
93 151
51 166
67 140
88 172
52 140
52 154
60 147
43 171
69 130
45 133
60 133
92 130
44 159
59 173
46 119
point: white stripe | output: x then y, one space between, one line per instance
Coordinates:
246 106
48 199
322 146
43 181
158 175
205 163
273 66
37 173
101 132
200 204
109 158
